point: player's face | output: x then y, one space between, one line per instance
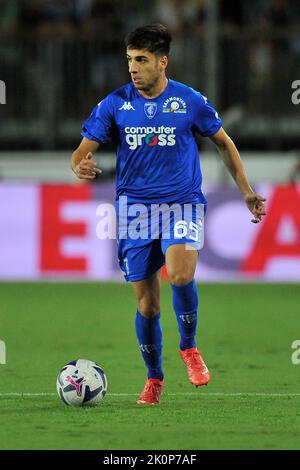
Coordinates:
145 68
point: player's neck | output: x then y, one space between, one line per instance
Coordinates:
157 90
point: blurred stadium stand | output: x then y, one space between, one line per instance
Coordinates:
59 58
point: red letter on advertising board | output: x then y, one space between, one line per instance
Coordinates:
285 202
53 228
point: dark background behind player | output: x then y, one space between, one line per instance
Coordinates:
58 57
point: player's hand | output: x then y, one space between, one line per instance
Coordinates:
256 205
87 168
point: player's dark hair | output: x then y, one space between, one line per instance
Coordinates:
153 37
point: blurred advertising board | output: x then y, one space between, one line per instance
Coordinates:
49 231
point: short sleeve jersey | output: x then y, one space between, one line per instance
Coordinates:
157 155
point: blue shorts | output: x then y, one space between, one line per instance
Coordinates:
145 231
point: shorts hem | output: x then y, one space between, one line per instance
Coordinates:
195 245
141 277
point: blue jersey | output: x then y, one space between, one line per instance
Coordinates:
157 154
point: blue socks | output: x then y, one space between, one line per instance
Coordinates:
185 304
149 334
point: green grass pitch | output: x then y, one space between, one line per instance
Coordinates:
245 332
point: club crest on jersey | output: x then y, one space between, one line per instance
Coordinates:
150 109
174 104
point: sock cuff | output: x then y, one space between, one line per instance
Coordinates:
189 285
155 318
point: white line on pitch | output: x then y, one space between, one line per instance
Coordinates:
209 394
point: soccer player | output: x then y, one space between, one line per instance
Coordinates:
152 122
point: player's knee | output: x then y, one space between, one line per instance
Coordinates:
148 308
180 279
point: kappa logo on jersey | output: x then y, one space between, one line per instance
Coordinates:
150 109
127 106
151 136
174 105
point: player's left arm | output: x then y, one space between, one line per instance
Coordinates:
234 164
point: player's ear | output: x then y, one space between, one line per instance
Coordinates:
164 61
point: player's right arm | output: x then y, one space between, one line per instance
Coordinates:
82 162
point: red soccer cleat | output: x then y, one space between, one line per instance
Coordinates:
151 393
198 373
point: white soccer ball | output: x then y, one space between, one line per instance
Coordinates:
81 383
